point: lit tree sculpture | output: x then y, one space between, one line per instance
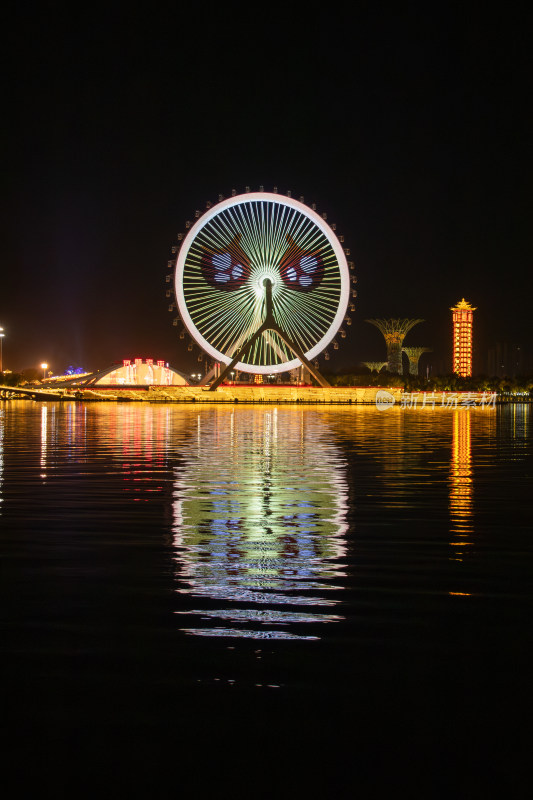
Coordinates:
394 332
374 366
413 354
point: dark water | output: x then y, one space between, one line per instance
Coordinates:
268 600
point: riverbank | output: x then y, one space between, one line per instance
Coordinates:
200 394
271 394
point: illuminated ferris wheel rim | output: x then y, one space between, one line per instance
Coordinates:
325 229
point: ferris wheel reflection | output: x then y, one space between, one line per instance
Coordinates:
259 523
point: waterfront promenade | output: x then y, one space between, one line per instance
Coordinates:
271 394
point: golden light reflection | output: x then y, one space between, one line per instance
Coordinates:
142 436
260 505
461 485
44 438
2 418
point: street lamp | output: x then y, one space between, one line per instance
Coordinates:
232 379
44 367
2 334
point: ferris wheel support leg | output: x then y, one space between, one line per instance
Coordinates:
298 353
207 377
269 325
247 345
242 352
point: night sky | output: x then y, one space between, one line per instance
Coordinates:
410 125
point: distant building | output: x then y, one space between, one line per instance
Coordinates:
139 372
463 316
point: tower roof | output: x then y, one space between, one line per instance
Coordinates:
463 305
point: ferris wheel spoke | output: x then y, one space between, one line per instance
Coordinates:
304 329
231 328
249 221
298 335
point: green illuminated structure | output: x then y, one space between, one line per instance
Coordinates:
413 354
374 366
394 332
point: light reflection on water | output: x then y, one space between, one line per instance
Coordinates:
2 423
461 483
380 561
276 517
260 505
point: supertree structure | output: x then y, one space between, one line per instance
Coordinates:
374 366
413 354
394 332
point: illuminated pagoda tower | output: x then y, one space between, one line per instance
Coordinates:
413 354
463 314
374 366
394 332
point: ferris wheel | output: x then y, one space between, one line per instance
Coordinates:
262 283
